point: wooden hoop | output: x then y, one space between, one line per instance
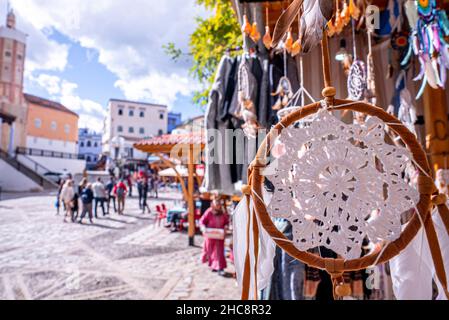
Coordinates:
426 188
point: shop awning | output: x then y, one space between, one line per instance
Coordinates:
165 143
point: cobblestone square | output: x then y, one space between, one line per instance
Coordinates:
118 257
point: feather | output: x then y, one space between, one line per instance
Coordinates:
432 78
312 23
421 89
411 11
285 21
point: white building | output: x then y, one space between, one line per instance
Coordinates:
89 146
128 122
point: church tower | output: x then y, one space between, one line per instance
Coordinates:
13 108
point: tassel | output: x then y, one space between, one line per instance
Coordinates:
255 34
296 48
354 11
267 41
246 28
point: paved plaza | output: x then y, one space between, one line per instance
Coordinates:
119 257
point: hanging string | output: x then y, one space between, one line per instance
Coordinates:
354 47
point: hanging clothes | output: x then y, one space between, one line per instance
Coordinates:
217 175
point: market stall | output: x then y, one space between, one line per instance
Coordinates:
178 149
370 78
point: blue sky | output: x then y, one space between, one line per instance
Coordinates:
82 53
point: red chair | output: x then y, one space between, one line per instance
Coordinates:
161 214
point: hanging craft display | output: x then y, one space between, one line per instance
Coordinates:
339 184
316 14
357 78
247 107
284 93
267 41
429 26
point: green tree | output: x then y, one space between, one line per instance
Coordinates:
209 42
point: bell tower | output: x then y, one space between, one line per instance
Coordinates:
12 101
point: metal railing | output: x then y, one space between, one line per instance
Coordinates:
34 175
46 153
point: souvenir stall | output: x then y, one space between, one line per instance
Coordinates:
344 175
174 149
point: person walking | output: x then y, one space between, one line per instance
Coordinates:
87 197
58 197
129 180
145 196
111 197
66 197
120 192
140 183
99 196
155 185
214 220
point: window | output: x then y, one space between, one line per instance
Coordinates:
142 114
37 123
53 125
67 129
19 57
7 53
95 145
35 140
161 132
82 144
119 129
120 112
142 130
131 113
89 144
131 129
161 115
88 158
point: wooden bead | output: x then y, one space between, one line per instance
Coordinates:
246 189
329 92
343 290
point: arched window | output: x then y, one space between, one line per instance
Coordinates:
89 144
88 159
82 144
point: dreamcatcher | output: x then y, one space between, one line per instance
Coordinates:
357 74
429 26
247 107
337 184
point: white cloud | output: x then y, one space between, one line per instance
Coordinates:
91 113
127 35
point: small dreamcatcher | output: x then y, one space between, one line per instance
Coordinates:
247 107
357 77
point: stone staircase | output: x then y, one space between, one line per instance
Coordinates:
31 173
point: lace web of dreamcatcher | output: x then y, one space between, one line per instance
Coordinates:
339 183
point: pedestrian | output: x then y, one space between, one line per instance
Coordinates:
111 197
129 180
155 185
87 197
120 192
145 196
66 197
140 184
58 196
213 224
100 196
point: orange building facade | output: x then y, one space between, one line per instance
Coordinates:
50 126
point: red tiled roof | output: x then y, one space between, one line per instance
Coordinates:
48 103
173 139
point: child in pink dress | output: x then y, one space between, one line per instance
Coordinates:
213 249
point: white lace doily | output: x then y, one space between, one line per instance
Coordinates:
338 183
